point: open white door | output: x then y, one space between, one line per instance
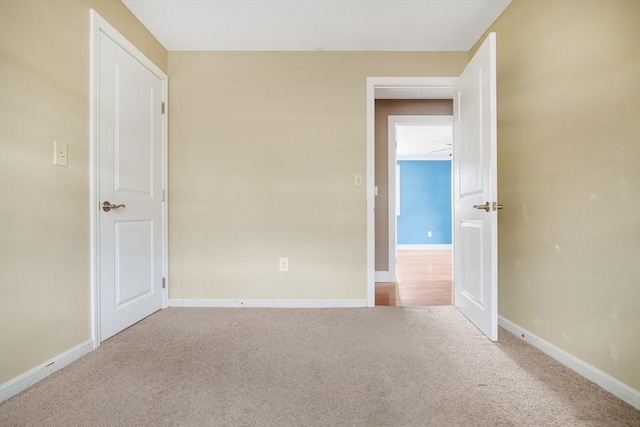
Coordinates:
476 191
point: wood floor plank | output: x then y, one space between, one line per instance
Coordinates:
425 277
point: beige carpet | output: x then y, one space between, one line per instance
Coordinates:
314 367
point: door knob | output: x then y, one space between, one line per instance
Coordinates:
486 207
107 206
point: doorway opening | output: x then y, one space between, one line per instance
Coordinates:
381 207
420 150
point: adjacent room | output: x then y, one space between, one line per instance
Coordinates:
420 217
203 208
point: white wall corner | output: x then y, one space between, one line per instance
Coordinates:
604 380
29 378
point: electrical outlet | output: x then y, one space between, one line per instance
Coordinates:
358 180
284 264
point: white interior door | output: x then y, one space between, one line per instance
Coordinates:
130 235
476 191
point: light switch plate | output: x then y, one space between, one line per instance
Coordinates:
60 154
357 180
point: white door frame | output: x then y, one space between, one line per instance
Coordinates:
441 88
98 24
392 157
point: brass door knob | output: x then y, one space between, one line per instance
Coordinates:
107 206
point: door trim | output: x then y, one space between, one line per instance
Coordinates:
97 25
442 89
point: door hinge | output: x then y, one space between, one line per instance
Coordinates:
164 283
163 108
163 196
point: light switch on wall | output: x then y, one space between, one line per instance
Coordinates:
60 154
357 180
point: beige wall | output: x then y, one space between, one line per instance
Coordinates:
569 166
263 151
262 155
384 109
44 209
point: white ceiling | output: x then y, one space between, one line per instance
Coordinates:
308 25
424 141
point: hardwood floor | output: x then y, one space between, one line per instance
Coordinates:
424 278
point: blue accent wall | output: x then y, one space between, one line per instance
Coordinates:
425 202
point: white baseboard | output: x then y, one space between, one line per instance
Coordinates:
423 247
269 303
29 378
382 276
604 380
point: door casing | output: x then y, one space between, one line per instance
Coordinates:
97 25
